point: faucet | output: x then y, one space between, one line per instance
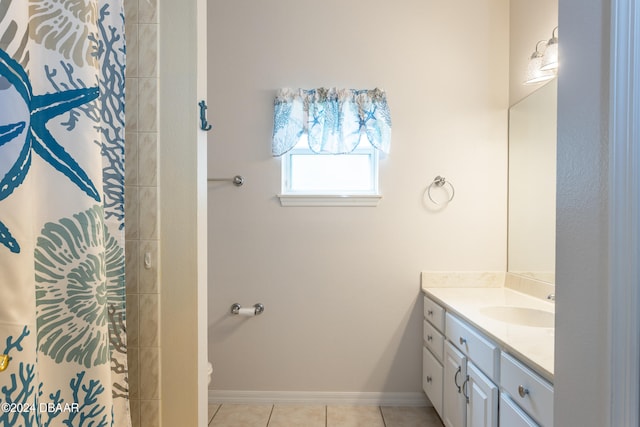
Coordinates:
551 297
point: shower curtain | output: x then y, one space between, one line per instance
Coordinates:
62 290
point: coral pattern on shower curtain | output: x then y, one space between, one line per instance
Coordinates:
62 284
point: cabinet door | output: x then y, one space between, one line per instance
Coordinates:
482 408
454 403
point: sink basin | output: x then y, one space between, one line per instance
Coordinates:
520 316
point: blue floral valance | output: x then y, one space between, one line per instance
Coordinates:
334 120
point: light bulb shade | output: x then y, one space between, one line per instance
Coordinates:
550 58
534 73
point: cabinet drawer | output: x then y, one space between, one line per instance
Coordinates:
432 379
433 340
512 416
527 389
484 353
434 313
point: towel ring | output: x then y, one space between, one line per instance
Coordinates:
440 181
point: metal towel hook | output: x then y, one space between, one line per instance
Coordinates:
204 124
440 181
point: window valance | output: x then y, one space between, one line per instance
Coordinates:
334 120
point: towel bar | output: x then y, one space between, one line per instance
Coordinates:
236 180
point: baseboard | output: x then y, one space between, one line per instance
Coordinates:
317 398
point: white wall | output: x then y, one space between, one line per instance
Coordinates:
341 286
582 342
182 177
581 381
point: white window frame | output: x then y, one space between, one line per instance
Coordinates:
290 197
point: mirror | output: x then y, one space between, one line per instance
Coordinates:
532 185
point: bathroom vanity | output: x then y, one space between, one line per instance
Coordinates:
488 348
488 357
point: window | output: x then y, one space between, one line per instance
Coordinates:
306 172
329 141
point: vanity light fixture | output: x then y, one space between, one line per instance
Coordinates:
535 74
550 58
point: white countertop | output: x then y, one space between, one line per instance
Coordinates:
532 345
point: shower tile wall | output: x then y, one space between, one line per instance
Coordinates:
141 211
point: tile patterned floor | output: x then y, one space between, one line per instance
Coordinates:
228 415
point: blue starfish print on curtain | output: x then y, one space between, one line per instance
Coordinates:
37 138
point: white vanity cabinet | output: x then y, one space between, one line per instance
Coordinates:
459 370
470 376
470 399
474 371
532 394
474 382
432 353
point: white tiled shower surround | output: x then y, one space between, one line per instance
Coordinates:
141 211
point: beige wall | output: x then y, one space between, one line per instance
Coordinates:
530 22
341 286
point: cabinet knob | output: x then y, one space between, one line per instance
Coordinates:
429 338
522 390
429 379
462 341
429 312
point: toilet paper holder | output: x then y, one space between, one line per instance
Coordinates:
258 308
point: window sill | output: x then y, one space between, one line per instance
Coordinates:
290 200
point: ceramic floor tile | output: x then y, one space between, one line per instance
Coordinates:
242 416
410 417
354 416
212 411
298 416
